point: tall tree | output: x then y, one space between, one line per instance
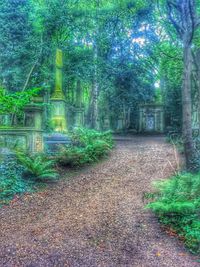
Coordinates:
15 45
183 16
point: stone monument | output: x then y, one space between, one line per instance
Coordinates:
58 98
151 118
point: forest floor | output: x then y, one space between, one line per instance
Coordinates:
96 218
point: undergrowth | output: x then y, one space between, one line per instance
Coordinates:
88 146
22 172
177 204
11 181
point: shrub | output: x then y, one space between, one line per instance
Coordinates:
73 156
87 146
37 167
84 137
97 149
178 205
11 182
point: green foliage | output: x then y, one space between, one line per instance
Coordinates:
13 103
88 147
11 182
21 173
74 157
37 167
16 43
84 136
170 75
177 204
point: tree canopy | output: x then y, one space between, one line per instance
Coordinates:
117 55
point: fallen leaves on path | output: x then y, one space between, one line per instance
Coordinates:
98 217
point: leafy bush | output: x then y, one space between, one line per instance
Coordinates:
11 182
97 149
20 173
37 167
84 137
73 156
87 146
11 103
178 205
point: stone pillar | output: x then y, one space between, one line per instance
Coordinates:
33 126
79 117
156 120
33 116
120 123
78 94
5 120
162 121
58 101
140 119
106 124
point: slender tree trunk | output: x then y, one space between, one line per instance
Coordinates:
95 90
187 110
184 18
95 86
78 94
93 108
196 58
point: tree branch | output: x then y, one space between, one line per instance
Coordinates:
176 24
34 65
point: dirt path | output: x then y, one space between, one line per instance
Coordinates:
96 219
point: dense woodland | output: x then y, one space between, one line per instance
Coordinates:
118 54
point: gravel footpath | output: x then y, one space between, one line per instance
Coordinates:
98 217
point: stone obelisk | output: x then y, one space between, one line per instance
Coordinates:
58 100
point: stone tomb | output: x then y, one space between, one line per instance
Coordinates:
28 137
151 118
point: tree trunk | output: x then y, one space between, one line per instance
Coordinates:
187 110
78 94
93 109
197 80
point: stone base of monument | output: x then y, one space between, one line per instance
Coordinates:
53 142
24 138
